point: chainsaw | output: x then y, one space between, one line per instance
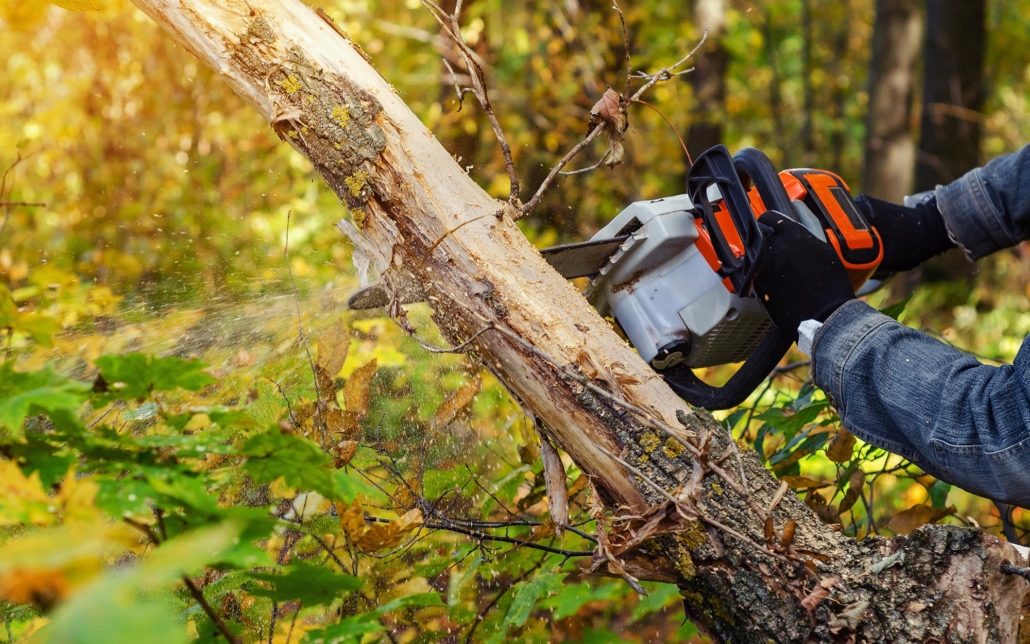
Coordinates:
675 274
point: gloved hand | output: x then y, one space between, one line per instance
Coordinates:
910 235
798 277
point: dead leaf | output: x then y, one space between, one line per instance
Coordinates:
333 346
818 594
850 617
356 390
793 458
778 496
788 533
455 404
578 486
389 535
352 519
546 529
609 113
326 384
855 484
917 516
341 425
827 513
841 447
805 483
770 530
345 451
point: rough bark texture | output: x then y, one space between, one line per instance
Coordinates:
890 153
418 218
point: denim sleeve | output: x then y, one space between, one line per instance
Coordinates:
989 208
962 421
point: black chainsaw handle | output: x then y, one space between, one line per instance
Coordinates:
752 165
758 366
756 166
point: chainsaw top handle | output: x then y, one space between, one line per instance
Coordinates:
737 250
731 222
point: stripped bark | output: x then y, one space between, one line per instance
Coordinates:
418 218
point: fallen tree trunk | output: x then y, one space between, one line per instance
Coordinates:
702 513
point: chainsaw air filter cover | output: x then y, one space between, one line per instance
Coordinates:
669 302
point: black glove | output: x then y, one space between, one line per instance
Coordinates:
798 276
910 235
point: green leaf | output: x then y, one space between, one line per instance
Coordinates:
301 463
895 310
311 585
528 594
38 327
348 631
658 597
571 597
791 424
135 375
35 392
939 492
351 629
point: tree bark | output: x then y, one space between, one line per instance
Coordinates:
709 79
890 155
953 90
417 217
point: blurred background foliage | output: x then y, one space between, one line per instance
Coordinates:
162 230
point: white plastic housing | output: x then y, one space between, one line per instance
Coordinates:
664 294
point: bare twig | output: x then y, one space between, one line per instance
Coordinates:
296 300
663 74
34 204
195 592
222 627
450 24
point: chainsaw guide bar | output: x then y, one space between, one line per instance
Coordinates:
582 260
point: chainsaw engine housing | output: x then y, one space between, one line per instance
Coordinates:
666 298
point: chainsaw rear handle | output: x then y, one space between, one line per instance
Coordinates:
753 165
758 366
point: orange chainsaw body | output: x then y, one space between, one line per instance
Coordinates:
826 196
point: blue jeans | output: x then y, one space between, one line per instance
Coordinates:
962 421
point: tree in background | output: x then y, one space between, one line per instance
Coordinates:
953 90
889 160
709 78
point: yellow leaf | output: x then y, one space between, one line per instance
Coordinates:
22 498
352 519
916 516
76 498
77 5
805 483
356 389
332 349
341 425
453 406
542 531
345 451
389 535
841 447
